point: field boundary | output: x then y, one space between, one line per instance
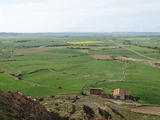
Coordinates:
122 58
132 51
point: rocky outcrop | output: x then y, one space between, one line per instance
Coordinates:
18 106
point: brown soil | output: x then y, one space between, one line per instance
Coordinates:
20 107
90 107
154 110
9 60
70 107
31 50
122 58
102 57
79 55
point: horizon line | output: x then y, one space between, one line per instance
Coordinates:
73 32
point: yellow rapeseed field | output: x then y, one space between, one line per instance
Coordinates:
84 42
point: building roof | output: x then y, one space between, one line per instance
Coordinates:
120 92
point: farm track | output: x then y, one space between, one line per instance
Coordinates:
152 110
132 51
122 58
100 82
10 60
80 55
124 71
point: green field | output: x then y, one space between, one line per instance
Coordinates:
63 70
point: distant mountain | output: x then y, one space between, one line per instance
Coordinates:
81 34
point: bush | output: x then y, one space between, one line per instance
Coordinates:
4 117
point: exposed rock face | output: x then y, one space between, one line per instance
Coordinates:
105 114
89 112
18 106
65 107
91 107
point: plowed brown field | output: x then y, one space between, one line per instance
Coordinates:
30 50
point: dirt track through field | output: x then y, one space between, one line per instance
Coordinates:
122 58
152 110
99 82
132 50
124 71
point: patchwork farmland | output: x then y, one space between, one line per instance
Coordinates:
42 65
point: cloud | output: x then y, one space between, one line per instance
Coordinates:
79 15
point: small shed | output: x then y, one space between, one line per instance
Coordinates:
121 94
96 91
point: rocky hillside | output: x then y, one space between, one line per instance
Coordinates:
16 106
93 107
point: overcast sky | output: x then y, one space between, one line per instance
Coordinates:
79 15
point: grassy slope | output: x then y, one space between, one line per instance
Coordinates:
7 82
142 81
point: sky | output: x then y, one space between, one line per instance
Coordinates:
79 15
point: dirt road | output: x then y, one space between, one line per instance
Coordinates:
152 110
132 50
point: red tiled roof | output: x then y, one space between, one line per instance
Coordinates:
120 92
